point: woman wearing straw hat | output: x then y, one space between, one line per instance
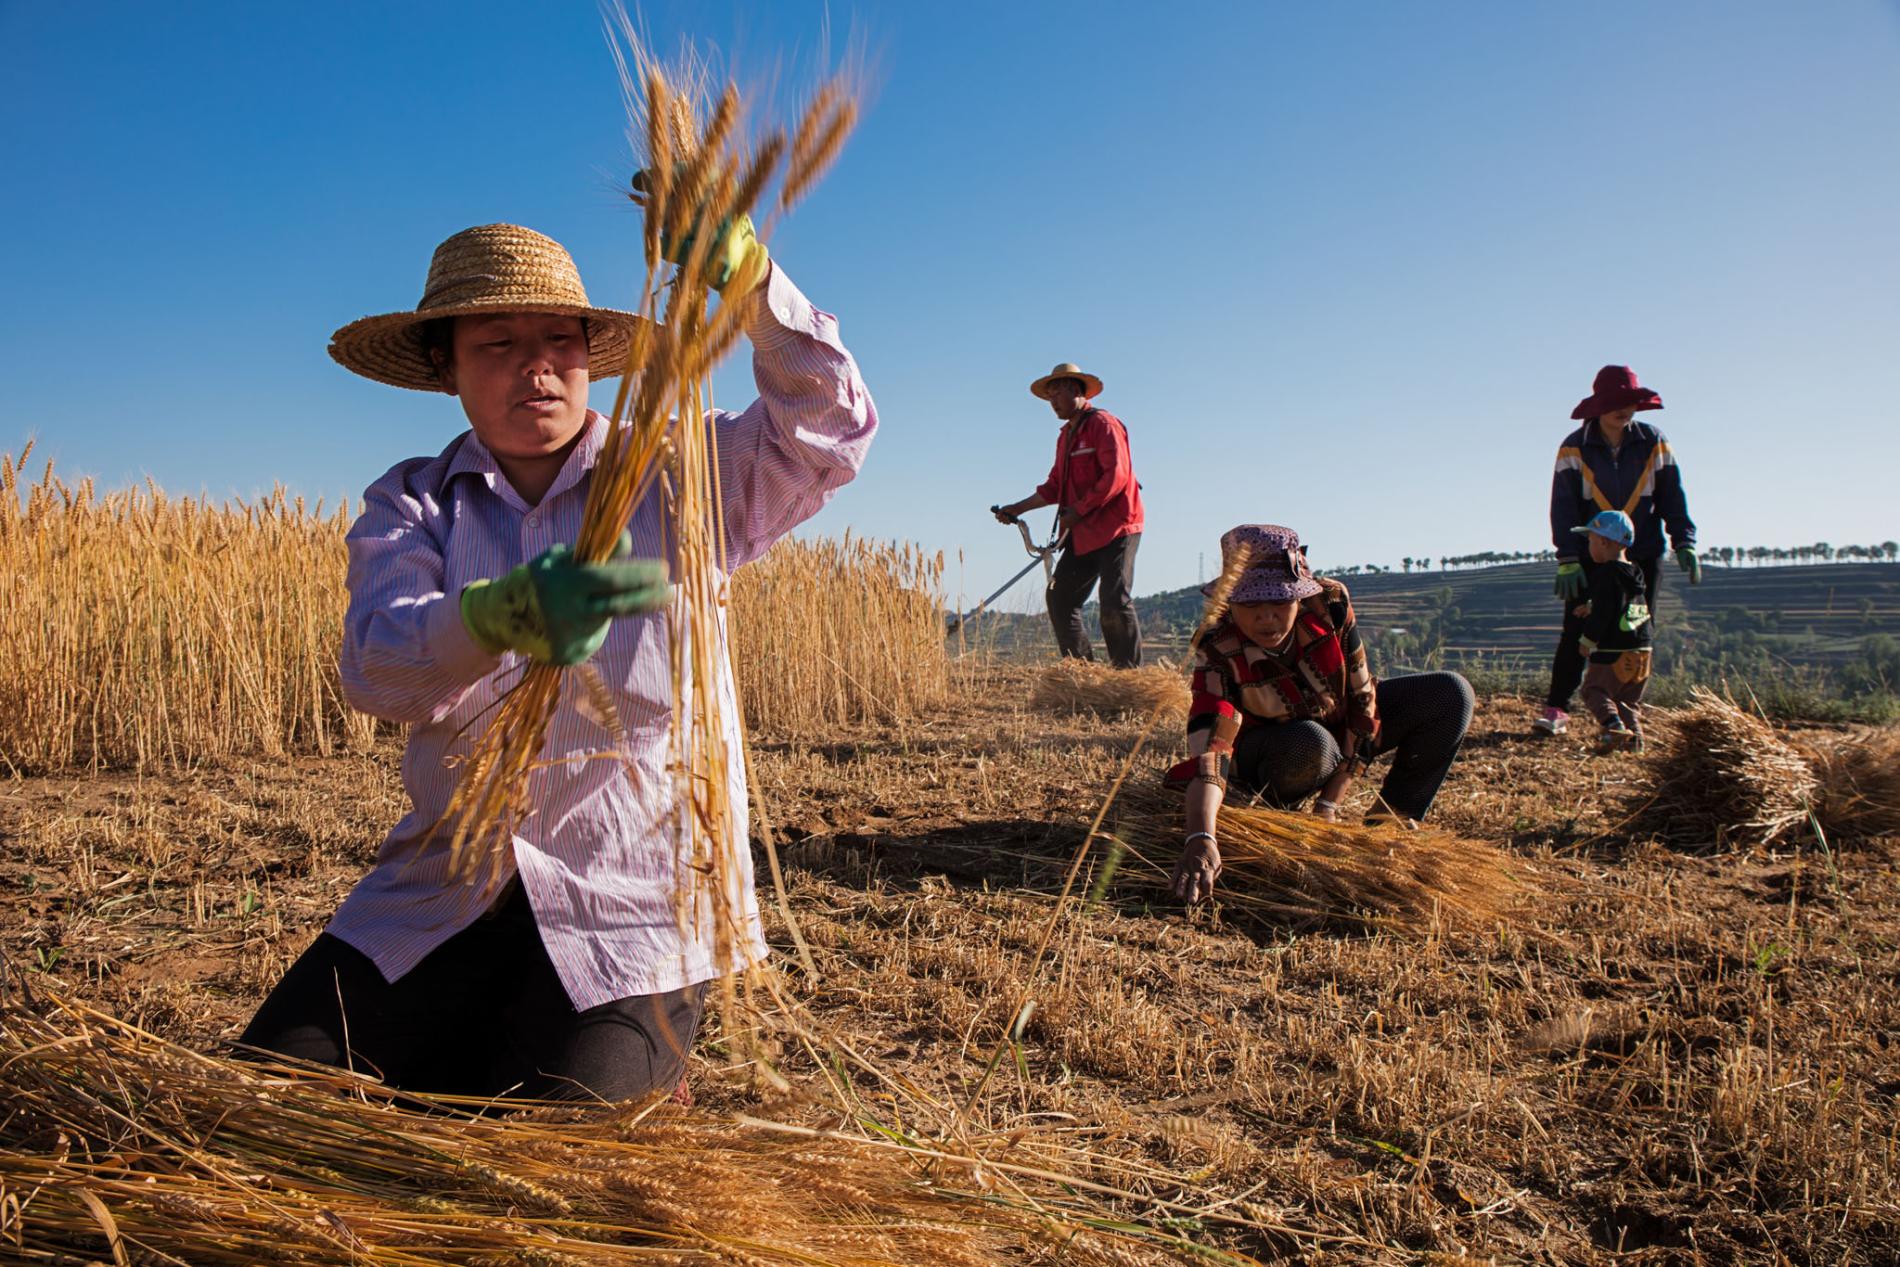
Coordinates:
1284 705
1098 513
578 980
1611 462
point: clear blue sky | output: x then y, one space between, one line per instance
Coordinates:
1343 266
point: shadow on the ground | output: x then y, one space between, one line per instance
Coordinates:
1020 855
844 752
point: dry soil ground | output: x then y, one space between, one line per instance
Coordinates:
1667 1058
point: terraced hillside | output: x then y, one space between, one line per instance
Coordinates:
1504 617
1832 628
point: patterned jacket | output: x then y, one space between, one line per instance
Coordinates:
1323 677
1641 479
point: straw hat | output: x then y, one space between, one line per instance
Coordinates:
490 268
1091 385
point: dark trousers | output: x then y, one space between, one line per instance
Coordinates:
1075 575
1566 671
484 1014
1423 718
1613 692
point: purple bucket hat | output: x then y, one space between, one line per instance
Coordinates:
1276 565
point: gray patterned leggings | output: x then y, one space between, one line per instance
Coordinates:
1423 718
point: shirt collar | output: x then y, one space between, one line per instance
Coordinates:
472 458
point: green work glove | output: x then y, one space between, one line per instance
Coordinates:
1570 583
1686 560
556 610
739 253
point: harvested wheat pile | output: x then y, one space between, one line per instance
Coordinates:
1087 686
118 1146
1281 868
1725 780
1859 773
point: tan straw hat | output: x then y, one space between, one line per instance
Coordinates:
490 268
1091 385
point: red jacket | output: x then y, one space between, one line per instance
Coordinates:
1094 476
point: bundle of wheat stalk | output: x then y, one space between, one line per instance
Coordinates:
1280 868
1859 776
1725 780
1087 686
698 178
116 1145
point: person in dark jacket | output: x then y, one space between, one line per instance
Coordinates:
1099 512
1615 637
1611 462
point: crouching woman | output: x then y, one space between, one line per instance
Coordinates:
1284 706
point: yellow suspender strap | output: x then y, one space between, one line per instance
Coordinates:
1636 495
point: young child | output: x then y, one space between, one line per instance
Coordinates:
1615 637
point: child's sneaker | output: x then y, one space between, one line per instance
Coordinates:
1552 721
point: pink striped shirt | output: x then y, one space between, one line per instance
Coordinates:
596 857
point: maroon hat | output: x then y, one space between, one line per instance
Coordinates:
1616 388
1276 570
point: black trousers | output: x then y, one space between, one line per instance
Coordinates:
1566 671
1423 718
484 1014
1076 574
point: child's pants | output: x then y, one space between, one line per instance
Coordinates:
1614 692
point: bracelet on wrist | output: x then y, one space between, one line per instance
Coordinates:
1323 803
1193 836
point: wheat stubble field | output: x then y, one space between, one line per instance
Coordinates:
1662 1055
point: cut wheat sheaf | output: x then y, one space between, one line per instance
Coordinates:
115 1139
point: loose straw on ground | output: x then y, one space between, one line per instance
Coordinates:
1211 612
118 1144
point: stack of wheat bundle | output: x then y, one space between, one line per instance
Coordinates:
1281 868
117 1146
1725 780
1859 775
1086 686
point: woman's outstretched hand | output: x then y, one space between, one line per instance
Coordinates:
1195 870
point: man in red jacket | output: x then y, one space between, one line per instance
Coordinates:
1098 505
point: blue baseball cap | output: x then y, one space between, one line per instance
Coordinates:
1613 524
